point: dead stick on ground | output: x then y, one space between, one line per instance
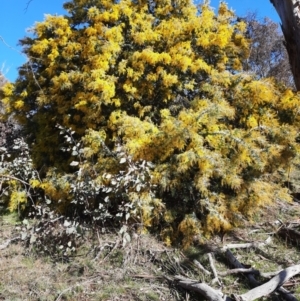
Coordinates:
201 267
6 244
246 245
256 293
213 268
114 247
272 285
269 274
202 288
284 293
237 271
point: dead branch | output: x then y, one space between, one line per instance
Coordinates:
201 267
112 250
202 288
27 5
14 178
213 268
246 245
237 271
260 291
254 283
6 244
234 262
269 274
272 285
144 276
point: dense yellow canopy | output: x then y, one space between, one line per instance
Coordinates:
163 79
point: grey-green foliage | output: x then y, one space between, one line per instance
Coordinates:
102 195
16 172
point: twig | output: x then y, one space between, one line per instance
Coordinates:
27 5
204 289
138 250
6 244
144 276
114 247
14 178
28 60
213 268
100 251
287 284
247 245
201 267
237 271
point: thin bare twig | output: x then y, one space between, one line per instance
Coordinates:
237 271
6 244
201 267
27 5
14 178
28 60
114 247
202 288
213 268
247 245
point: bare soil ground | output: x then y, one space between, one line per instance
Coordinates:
144 269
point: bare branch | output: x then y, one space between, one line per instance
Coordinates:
27 5
6 244
202 288
201 267
28 59
247 245
237 271
213 268
285 293
14 178
272 285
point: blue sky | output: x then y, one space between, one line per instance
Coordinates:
14 21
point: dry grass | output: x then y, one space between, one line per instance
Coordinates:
104 269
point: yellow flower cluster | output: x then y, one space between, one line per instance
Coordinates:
166 82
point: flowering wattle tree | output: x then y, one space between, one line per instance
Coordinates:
162 81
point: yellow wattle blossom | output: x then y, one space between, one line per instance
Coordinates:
252 122
169 79
34 183
18 201
19 104
164 84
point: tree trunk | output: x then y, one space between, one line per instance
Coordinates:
289 13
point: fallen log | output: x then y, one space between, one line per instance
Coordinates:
260 291
288 296
202 288
235 263
269 287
